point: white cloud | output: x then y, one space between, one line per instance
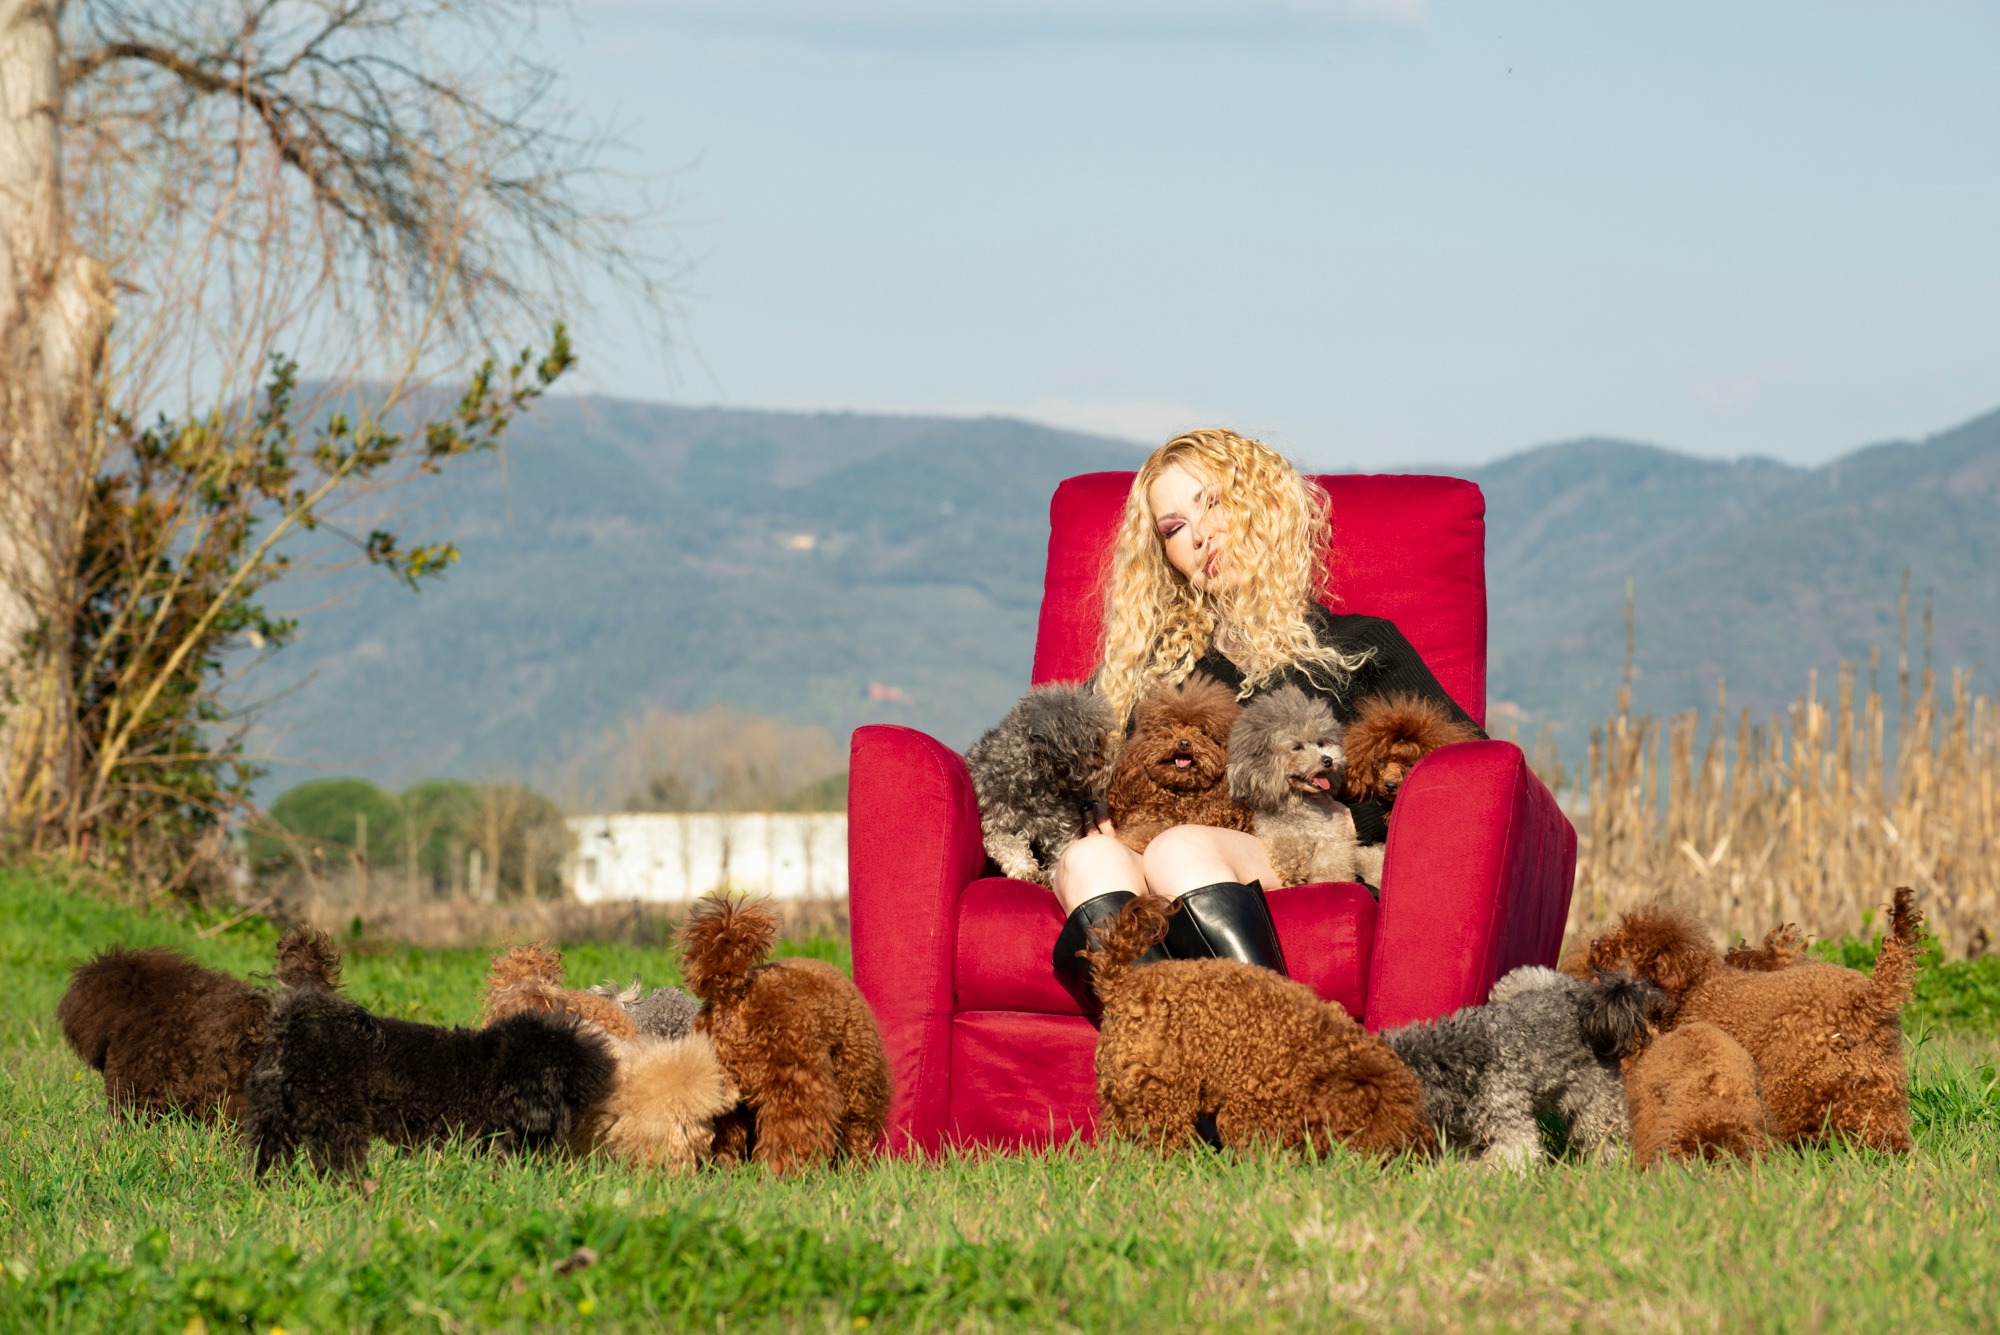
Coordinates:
1388 13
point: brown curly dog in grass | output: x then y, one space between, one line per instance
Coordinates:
1694 1094
1271 1062
171 1036
1174 768
1827 1041
530 978
794 1035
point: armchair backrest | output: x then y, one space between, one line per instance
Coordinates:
1409 548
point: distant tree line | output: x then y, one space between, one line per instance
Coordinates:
441 838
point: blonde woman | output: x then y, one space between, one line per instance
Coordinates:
1218 568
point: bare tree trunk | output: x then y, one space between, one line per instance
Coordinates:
55 310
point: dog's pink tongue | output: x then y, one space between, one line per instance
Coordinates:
1183 762
1321 782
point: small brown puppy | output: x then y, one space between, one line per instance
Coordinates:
1827 1041
1783 947
530 978
1174 768
661 1109
1271 1062
794 1035
1389 735
1694 1094
171 1036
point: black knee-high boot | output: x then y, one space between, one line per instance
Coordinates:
1227 921
1072 970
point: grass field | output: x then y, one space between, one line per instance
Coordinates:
158 1227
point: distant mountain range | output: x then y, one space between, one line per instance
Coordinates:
841 569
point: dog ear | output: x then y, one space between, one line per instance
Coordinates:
1256 768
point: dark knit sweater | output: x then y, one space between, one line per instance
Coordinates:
1393 666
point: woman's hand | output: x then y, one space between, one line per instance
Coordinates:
1097 820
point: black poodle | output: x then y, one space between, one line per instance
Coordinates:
332 1077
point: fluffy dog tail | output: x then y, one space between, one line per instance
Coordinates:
1616 1013
1896 965
721 942
1140 924
307 958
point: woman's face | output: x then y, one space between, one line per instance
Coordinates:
1188 515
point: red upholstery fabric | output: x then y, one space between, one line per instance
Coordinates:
987 1048
1412 549
1022 1080
912 845
1476 881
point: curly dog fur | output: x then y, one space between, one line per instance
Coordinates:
1037 773
1543 1043
1173 769
794 1035
663 1103
1827 1041
665 1012
1694 1094
1270 1061
1783 947
530 978
1389 735
171 1036
1285 765
332 1078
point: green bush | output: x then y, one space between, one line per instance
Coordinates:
325 819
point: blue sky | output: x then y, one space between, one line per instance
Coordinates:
1374 232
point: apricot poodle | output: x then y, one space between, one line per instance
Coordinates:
1258 1052
1827 1041
530 978
665 1098
1174 768
794 1035
1694 1094
171 1036
1389 735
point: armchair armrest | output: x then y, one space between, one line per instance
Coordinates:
1476 881
912 847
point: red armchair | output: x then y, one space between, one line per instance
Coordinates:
986 1046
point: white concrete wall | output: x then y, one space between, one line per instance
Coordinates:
683 856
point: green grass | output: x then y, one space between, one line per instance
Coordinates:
158 1227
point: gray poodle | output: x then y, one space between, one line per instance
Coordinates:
1285 765
1038 773
1543 1042
665 1012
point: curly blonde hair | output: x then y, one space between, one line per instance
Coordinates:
1157 624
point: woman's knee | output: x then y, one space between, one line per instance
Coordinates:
1188 857
1094 865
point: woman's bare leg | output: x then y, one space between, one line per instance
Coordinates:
1188 857
1094 865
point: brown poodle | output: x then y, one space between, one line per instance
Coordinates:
794 1035
1174 768
1270 1061
530 978
1694 1094
171 1036
1827 1041
1389 735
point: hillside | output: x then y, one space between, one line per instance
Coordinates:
633 555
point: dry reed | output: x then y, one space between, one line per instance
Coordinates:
1804 818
